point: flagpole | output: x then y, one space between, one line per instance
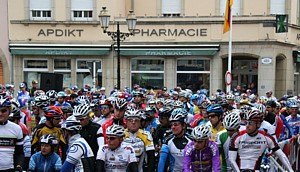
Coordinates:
228 87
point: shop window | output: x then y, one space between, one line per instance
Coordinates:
277 6
32 69
193 74
82 10
40 9
148 74
171 8
236 7
63 66
85 72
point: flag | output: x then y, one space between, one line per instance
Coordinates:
227 16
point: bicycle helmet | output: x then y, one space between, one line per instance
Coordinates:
105 102
48 139
151 101
41 101
82 100
205 104
95 103
71 124
178 114
252 98
212 98
38 93
195 97
230 97
4 101
52 94
165 111
293 104
261 108
178 103
149 112
15 106
52 111
61 94
82 111
132 113
116 130
263 99
232 121
201 132
245 109
169 103
137 93
120 103
215 108
67 109
271 103
254 115
203 91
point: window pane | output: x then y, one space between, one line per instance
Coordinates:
29 76
62 64
66 79
148 80
88 13
77 13
36 64
193 65
147 65
193 81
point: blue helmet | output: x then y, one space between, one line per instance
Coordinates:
215 108
194 97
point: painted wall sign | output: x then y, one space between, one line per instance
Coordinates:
60 32
266 60
171 32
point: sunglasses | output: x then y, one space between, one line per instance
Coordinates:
230 130
104 107
250 122
112 138
212 115
3 110
133 119
175 124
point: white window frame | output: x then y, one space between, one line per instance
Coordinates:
139 71
35 69
88 7
89 60
45 6
62 70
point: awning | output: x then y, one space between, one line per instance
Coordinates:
168 50
59 49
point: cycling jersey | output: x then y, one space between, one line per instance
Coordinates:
78 149
105 125
141 141
294 123
205 160
223 141
10 136
174 148
91 133
249 149
23 97
215 132
62 104
39 162
116 160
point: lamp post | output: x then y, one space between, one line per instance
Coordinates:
117 36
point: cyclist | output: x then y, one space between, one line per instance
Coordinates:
80 156
232 123
140 140
215 116
61 97
90 130
174 144
115 156
247 146
201 154
294 118
106 111
46 159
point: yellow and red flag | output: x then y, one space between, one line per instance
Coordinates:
227 16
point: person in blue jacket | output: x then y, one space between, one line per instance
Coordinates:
46 159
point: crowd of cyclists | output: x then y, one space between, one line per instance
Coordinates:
142 130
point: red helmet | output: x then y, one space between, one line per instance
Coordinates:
105 102
52 111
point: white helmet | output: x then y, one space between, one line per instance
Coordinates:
230 97
132 113
71 124
232 120
201 132
117 130
82 110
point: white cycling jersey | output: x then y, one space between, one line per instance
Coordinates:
78 149
141 141
116 160
248 150
10 135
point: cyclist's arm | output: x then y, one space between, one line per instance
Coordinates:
187 159
216 159
132 167
19 155
284 160
67 167
32 164
100 165
151 160
163 157
232 158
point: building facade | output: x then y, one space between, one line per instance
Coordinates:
176 42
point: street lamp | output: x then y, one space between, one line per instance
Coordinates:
117 36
